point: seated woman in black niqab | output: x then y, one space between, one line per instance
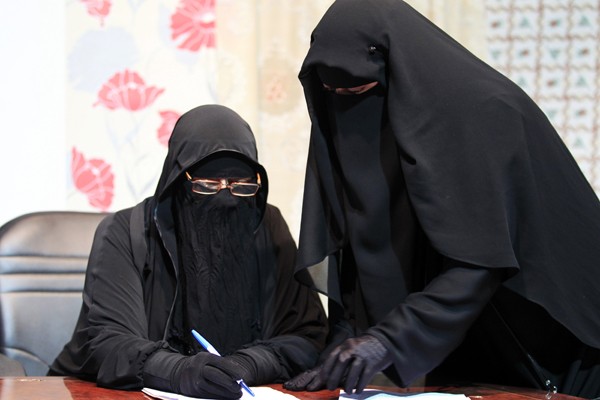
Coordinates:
206 252
462 240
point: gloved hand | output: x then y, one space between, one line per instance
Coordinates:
207 375
354 363
309 380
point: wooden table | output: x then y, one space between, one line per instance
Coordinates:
66 388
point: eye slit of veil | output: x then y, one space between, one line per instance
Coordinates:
351 91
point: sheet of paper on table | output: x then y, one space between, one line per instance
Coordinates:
262 393
267 393
372 394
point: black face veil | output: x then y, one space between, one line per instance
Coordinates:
485 177
372 193
217 269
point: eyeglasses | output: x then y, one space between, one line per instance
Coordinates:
214 186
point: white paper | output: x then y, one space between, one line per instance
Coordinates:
371 394
260 392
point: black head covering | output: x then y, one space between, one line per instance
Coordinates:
488 179
210 238
202 132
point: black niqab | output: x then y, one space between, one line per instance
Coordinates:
488 180
206 139
217 268
370 174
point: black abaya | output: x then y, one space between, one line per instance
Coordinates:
130 327
471 190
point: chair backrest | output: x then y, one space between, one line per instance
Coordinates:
43 258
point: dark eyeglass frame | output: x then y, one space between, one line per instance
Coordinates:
199 186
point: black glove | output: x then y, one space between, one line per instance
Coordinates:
354 363
309 380
207 375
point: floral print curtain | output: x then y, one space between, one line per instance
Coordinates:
133 68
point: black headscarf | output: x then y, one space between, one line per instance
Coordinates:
487 178
202 132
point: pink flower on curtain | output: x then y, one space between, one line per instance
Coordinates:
97 8
127 90
193 24
93 178
169 118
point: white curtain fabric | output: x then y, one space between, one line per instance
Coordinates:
261 45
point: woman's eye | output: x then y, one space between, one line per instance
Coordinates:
211 185
328 88
351 91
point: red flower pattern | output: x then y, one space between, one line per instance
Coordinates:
169 118
93 178
97 8
193 24
127 90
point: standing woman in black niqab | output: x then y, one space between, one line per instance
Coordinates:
461 240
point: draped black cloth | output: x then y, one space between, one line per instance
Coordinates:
140 294
218 276
444 178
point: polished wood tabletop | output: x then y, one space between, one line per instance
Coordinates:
66 388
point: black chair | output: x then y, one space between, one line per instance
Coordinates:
43 258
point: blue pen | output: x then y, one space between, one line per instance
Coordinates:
209 347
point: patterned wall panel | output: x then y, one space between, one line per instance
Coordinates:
551 49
